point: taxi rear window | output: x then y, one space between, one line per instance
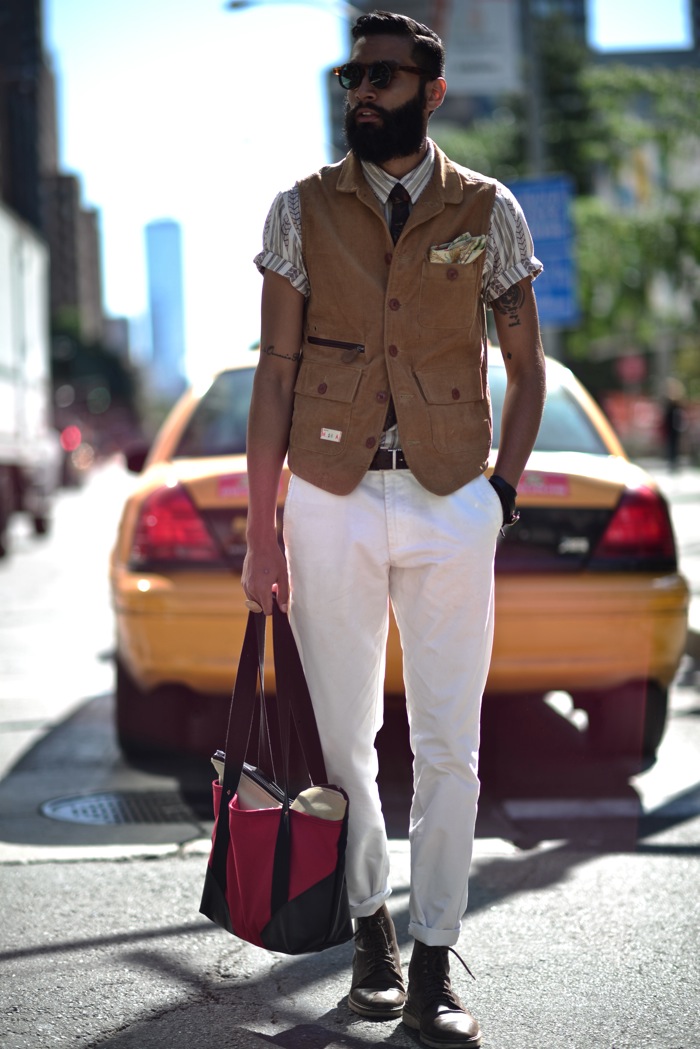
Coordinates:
565 426
218 423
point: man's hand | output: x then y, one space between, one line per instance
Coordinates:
265 570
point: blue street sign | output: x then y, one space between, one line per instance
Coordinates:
546 202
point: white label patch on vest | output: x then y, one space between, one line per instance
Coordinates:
330 435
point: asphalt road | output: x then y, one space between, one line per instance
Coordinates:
584 902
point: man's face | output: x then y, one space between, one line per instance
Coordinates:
382 124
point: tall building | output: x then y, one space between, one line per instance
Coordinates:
26 143
166 305
116 336
90 274
31 182
73 236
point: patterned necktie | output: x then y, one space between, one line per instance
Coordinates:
400 206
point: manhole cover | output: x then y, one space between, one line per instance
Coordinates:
120 807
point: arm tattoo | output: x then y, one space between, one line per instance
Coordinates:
509 304
271 352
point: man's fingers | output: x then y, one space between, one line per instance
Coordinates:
253 606
282 594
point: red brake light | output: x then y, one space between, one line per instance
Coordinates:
169 528
71 438
640 529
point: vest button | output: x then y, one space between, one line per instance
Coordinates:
452 273
381 396
323 387
393 351
370 442
394 304
455 394
388 257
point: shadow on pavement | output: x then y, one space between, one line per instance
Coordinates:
239 1002
539 782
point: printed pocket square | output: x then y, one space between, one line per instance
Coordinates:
462 250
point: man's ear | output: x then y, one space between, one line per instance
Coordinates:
435 93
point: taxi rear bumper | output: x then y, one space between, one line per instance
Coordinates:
552 632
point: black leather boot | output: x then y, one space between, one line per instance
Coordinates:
432 1007
377 990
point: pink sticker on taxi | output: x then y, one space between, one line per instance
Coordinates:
232 484
553 485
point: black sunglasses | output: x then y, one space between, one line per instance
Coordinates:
380 74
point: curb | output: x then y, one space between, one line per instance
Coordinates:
18 855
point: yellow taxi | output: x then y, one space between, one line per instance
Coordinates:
589 600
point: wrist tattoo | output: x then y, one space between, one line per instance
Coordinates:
509 304
272 352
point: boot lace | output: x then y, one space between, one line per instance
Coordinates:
373 939
436 986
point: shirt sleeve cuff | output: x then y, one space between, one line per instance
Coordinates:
531 267
268 260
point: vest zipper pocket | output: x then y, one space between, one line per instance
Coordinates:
353 346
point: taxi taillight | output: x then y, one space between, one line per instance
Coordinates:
170 530
638 534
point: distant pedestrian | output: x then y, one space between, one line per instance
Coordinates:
674 420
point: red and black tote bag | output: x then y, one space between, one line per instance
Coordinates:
276 875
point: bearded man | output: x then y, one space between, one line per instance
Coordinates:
373 382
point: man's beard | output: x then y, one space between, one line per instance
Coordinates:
400 134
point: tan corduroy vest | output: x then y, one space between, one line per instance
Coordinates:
383 320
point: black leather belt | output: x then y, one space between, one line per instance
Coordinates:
389 459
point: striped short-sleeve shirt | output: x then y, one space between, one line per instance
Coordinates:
508 256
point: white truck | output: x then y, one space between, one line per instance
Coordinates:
30 453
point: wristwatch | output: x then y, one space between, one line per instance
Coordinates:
507 494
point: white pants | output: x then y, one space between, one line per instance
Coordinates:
432 556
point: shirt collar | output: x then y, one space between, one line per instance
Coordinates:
414 182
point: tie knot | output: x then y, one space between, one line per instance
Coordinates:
399 194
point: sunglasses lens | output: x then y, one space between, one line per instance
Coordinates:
350 76
380 74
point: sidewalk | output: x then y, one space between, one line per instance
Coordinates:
682 489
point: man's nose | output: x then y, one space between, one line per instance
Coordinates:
366 89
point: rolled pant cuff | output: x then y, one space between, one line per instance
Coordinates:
434 937
370 906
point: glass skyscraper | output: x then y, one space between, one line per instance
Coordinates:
166 306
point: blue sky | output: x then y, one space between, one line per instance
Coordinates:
639 24
180 109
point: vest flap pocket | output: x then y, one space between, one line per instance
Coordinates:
327 381
451 386
323 407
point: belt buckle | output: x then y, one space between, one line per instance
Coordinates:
393 458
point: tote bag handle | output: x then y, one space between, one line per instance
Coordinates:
292 694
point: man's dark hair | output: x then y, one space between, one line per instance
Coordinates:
428 51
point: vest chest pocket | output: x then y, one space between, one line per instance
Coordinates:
323 399
449 294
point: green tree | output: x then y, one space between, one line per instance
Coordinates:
491 145
638 246
567 106
630 139
93 387
634 107
499 144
